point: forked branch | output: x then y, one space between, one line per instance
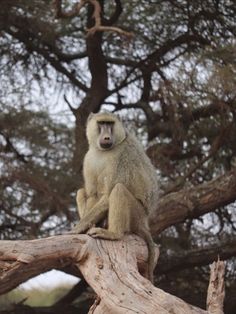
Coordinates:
111 268
98 27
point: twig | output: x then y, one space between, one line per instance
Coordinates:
73 110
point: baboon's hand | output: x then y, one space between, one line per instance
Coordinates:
78 228
103 234
95 232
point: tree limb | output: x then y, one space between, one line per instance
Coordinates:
98 27
189 116
194 202
215 146
59 13
9 147
196 257
110 268
56 64
115 16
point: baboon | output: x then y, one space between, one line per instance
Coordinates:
120 184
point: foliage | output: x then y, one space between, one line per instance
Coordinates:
35 154
175 80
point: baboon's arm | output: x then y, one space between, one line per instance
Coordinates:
96 214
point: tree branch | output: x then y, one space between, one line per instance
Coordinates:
115 16
196 257
110 268
21 36
98 27
188 117
59 13
9 147
194 202
215 146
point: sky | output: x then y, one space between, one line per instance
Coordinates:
50 279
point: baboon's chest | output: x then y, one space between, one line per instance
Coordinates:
104 172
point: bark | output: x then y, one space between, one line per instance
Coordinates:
111 268
193 202
216 289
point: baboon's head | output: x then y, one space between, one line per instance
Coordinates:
104 131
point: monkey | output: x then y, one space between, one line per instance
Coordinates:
120 184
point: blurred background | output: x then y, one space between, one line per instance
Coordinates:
173 83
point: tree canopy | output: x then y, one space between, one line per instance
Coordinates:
168 68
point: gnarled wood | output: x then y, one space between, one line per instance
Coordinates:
216 289
111 268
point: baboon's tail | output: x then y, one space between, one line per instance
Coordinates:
146 235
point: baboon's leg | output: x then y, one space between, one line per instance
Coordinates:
81 202
121 205
92 216
91 201
126 214
84 203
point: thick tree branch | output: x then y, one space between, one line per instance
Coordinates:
196 257
194 202
110 268
22 260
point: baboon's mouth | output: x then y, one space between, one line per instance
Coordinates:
106 145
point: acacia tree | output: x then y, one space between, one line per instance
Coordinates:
170 66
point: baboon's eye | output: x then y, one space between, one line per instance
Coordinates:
99 127
104 125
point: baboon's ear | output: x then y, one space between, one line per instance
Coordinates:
90 116
117 117
120 118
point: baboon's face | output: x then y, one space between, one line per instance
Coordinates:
104 131
106 136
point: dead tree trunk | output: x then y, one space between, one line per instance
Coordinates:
111 268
